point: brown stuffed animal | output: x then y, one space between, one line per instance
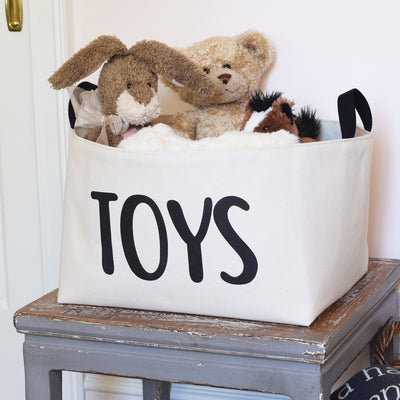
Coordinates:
271 112
237 64
128 82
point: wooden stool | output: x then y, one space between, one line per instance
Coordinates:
300 362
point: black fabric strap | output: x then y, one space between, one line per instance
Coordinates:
348 103
71 114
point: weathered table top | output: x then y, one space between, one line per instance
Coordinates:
220 335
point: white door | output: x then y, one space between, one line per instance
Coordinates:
32 153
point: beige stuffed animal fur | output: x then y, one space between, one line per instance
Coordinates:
128 82
236 64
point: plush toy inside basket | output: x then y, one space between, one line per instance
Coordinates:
265 232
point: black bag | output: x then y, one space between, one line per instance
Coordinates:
379 382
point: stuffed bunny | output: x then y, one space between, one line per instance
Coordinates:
126 97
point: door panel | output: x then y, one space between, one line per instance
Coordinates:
32 154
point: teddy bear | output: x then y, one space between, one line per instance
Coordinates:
126 97
236 64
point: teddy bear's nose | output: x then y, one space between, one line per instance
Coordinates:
225 78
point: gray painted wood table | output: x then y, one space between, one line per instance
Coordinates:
300 362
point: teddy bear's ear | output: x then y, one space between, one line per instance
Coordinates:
87 60
173 66
257 45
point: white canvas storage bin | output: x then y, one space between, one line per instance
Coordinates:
274 234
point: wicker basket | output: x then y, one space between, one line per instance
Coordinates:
384 342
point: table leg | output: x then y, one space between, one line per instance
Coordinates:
41 382
156 390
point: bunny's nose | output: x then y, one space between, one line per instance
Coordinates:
225 78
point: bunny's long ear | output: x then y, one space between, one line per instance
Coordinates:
173 66
87 60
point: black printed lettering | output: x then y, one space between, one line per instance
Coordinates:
193 242
107 258
250 264
128 242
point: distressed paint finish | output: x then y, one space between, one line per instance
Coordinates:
156 390
301 362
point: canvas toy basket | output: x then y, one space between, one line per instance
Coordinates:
274 234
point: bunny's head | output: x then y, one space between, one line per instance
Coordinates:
128 81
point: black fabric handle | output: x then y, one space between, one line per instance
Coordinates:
71 113
348 103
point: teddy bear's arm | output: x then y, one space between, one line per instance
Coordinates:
185 123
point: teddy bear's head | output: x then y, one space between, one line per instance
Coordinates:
235 64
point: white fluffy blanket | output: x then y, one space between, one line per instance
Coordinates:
161 138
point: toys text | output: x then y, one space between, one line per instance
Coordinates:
193 241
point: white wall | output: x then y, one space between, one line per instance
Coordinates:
322 49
